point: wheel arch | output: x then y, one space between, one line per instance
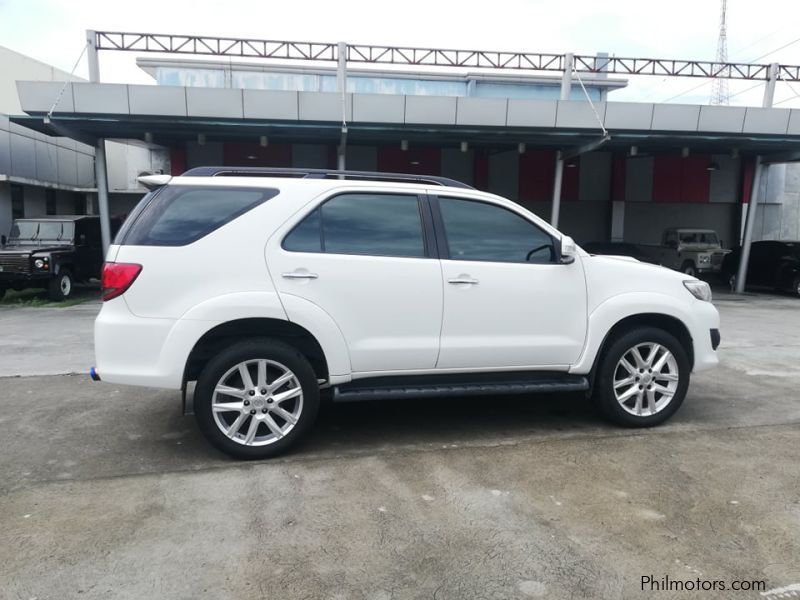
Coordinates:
224 334
624 312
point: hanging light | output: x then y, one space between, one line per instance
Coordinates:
634 151
521 148
685 152
464 146
148 137
263 141
201 139
404 145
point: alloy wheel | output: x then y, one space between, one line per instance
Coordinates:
646 379
257 402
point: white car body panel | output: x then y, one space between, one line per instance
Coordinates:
392 322
521 315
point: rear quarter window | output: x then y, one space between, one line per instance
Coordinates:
180 215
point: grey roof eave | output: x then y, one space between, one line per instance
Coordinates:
118 107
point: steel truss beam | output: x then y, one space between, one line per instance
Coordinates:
432 57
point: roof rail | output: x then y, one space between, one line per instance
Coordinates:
322 174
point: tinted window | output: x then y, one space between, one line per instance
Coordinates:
306 237
368 224
480 231
177 216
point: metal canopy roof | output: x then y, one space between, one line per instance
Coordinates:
87 111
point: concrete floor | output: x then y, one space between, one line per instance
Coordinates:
108 492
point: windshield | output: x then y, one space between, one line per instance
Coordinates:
699 237
41 231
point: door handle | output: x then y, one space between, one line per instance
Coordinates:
463 279
299 275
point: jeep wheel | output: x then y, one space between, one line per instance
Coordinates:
795 287
642 378
60 287
256 398
688 268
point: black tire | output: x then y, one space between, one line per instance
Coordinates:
688 268
795 287
61 286
254 349
603 393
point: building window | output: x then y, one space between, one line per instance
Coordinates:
17 202
50 202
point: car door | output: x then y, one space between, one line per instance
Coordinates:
364 257
508 301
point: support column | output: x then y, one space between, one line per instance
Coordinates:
101 176
341 84
100 167
759 171
558 177
744 258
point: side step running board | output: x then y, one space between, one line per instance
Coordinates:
377 390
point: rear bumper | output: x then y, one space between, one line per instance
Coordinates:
142 351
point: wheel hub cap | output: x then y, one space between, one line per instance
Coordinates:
252 418
646 379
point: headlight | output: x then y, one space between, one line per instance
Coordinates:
38 263
704 258
699 289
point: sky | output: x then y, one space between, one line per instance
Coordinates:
53 31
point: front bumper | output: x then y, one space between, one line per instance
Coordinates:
8 278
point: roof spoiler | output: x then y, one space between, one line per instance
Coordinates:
152 182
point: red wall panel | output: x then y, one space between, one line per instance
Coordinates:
247 154
679 179
177 159
748 171
570 183
667 179
695 179
536 171
418 161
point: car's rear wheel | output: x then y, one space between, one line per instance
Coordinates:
642 378
60 287
256 398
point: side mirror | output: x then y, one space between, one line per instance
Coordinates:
568 250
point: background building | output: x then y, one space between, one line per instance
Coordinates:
42 174
630 170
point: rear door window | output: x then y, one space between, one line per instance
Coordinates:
362 223
180 215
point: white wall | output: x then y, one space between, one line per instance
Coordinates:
126 161
18 66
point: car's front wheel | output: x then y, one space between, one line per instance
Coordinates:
256 398
642 377
688 268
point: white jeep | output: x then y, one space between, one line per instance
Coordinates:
265 286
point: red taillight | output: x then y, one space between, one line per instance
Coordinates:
118 277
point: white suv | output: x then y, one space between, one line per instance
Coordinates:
265 286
